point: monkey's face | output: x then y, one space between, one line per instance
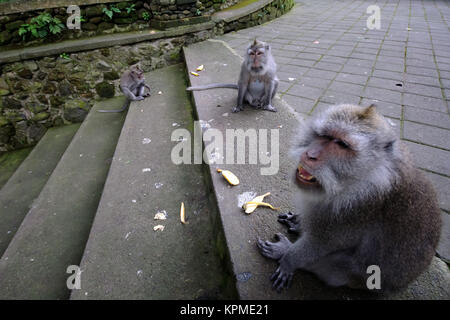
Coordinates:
324 159
137 72
257 57
342 147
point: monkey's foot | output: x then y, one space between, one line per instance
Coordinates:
236 109
270 108
282 278
274 250
139 98
291 220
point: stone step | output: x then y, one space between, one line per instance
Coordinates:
124 257
26 183
54 232
250 269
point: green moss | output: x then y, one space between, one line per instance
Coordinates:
9 162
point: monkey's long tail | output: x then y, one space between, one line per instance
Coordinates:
125 105
212 86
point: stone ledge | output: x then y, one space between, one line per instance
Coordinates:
167 24
103 41
20 6
231 14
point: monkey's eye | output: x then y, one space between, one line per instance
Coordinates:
252 53
259 53
341 143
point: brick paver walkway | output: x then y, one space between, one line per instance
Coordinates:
326 55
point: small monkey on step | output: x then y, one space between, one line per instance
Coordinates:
363 203
257 83
132 84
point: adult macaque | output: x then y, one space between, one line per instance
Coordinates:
364 204
257 83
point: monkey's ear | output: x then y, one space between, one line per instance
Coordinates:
267 46
368 112
255 42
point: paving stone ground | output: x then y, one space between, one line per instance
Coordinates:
326 55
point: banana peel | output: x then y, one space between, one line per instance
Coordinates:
194 73
183 214
251 206
229 176
199 68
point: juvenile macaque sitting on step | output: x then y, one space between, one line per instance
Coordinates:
132 84
363 204
257 83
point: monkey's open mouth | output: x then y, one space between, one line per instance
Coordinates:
305 177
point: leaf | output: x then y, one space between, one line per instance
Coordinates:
42 33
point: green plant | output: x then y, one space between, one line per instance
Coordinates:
41 26
64 56
146 16
110 12
130 9
198 12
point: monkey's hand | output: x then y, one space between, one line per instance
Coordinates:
274 250
291 220
282 277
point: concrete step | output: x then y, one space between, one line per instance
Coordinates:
124 257
26 183
54 232
10 161
250 269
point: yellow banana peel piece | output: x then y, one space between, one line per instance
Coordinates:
251 206
262 204
183 214
199 68
229 176
194 73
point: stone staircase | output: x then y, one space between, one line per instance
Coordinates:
87 196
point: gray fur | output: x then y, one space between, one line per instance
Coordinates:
372 207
